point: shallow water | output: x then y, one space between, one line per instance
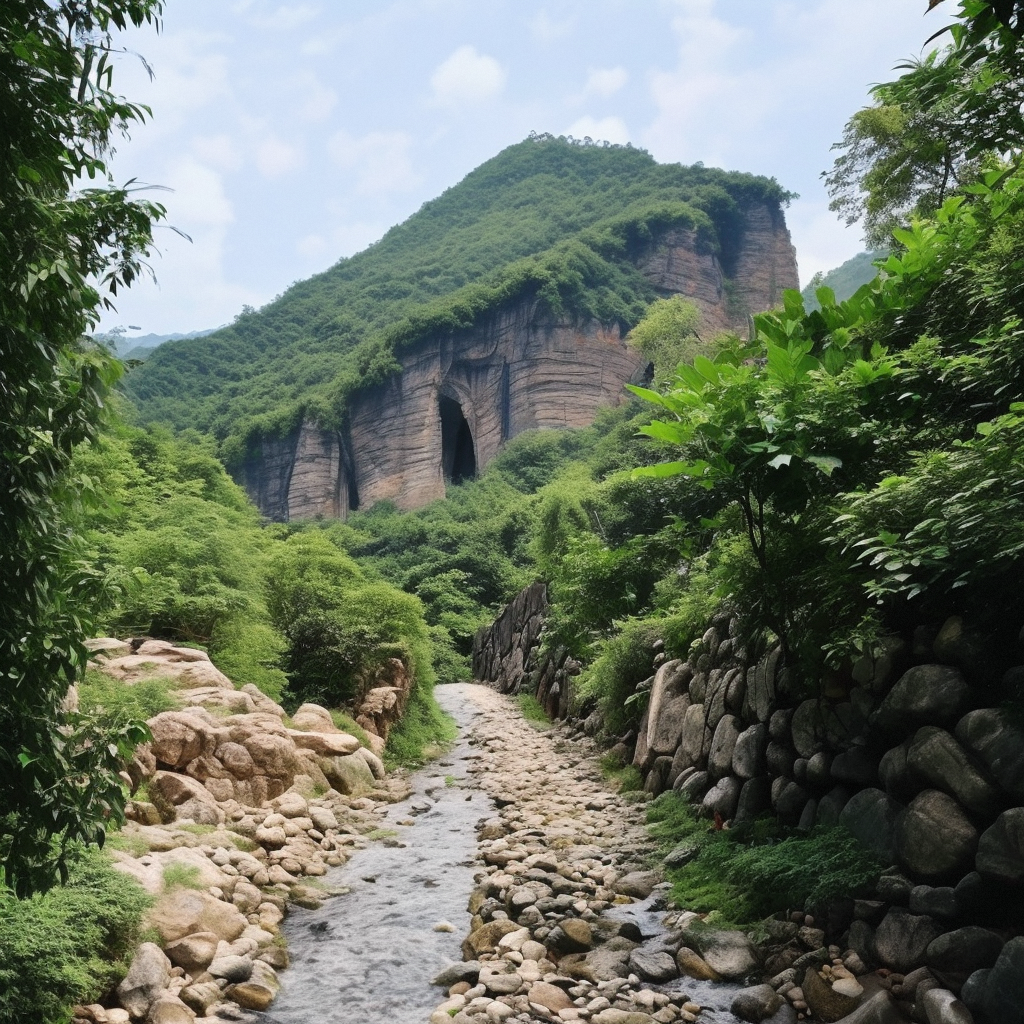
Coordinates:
367 957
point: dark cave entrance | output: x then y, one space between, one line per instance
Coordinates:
458 457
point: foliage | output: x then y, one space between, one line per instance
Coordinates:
69 945
545 220
112 700
65 249
531 709
845 279
932 130
181 876
746 874
424 732
667 334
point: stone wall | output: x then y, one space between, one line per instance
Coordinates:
520 369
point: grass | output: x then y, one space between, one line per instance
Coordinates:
197 830
745 874
450 780
181 876
129 843
114 700
381 833
532 710
69 945
346 723
623 778
424 732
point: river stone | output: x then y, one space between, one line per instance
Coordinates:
665 734
551 997
894 773
729 954
871 816
826 1004
571 936
467 970
147 977
201 996
807 728
231 968
935 901
941 1006
935 759
756 1004
999 744
748 756
818 770
723 744
934 838
856 766
193 952
958 954
501 984
251 995
902 939
996 995
755 798
789 799
830 807
1001 848
692 965
654 965
722 798
168 1009
696 738
923 695
694 787
638 884
486 938
780 759
879 1009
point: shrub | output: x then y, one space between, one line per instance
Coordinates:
112 700
69 945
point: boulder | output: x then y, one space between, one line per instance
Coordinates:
668 704
807 728
902 939
313 718
723 744
879 1009
466 970
232 968
1001 848
729 954
185 911
755 798
179 797
923 695
326 744
894 773
996 995
656 965
830 807
999 744
194 953
693 787
722 798
696 736
692 965
856 766
168 1009
748 756
935 901
146 979
780 758
935 759
551 997
956 955
180 737
789 799
350 774
871 816
934 838
941 1006
826 1003
638 884
486 938
756 1004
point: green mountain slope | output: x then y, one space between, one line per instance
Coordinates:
845 279
545 215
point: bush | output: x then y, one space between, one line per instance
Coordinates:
114 701
70 945
424 732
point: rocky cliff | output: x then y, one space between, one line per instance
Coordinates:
461 395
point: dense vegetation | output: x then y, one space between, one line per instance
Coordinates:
845 279
545 217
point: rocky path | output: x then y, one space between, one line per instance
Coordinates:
552 936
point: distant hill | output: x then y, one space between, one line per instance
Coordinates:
144 345
546 215
846 279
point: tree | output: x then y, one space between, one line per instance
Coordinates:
66 247
931 132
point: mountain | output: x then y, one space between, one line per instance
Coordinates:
549 236
844 280
144 345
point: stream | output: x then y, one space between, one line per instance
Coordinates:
368 956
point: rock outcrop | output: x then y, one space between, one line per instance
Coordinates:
460 396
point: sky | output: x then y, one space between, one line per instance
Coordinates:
286 136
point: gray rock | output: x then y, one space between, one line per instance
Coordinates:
760 697
729 954
807 728
856 766
958 954
755 799
780 759
789 799
748 756
653 965
996 996
696 737
895 775
879 1009
894 888
756 1004
233 969
871 816
942 1007
665 733
723 798
694 787
935 759
861 939
466 970
1001 848
808 816
831 805
934 838
638 884
682 854
902 939
935 901
778 725
722 746
147 978
923 695
818 776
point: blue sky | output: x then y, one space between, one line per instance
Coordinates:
292 134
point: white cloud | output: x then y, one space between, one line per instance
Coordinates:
605 82
318 102
198 198
380 159
547 29
276 158
467 77
343 240
284 18
605 129
312 246
219 151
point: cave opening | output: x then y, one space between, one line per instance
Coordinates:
458 456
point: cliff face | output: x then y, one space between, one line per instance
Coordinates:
461 396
